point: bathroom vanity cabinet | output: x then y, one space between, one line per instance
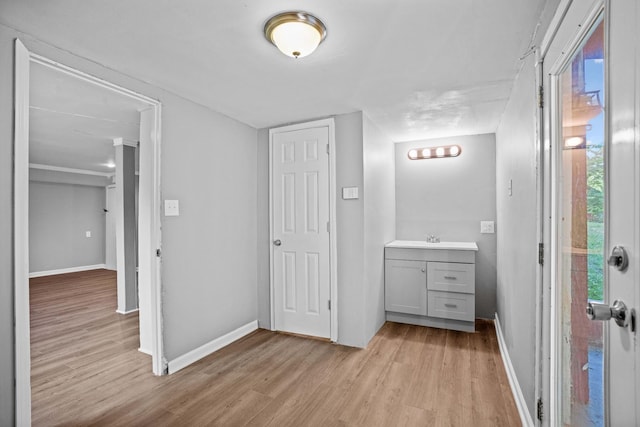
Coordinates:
431 284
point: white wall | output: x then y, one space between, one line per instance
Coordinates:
59 216
209 261
263 242
379 219
449 197
516 275
517 241
350 231
516 291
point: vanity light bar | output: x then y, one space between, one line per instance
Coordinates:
434 152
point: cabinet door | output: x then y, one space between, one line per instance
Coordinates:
406 286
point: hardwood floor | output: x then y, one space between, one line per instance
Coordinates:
86 370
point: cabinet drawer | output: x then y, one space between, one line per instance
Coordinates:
451 305
451 277
438 255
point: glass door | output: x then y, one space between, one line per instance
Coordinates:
581 190
591 70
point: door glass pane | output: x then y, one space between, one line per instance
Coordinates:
581 271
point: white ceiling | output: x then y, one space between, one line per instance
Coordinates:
72 123
418 68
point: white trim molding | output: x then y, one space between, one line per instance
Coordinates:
145 351
69 170
67 270
521 404
21 236
134 310
121 141
211 347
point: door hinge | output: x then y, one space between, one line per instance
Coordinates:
327 148
541 253
328 226
329 304
158 253
539 408
541 96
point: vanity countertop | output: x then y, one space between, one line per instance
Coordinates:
421 244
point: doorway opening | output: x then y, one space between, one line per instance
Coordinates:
304 292
149 213
576 207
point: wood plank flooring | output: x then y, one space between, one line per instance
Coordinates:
86 370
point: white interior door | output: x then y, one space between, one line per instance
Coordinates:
110 229
300 231
591 76
623 364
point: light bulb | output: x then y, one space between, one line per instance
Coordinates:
296 39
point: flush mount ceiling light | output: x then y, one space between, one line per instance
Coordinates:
434 152
296 34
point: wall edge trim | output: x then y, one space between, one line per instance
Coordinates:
211 347
144 351
133 310
521 404
67 270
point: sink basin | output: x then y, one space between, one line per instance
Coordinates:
421 244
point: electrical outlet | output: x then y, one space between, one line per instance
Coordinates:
87 233
171 208
487 227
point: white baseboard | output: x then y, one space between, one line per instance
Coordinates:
127 312
66 270
521 403
211 347
142 350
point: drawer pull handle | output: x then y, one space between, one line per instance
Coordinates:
451 277
451 306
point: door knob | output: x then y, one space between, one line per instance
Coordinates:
618 258
618 311
277 242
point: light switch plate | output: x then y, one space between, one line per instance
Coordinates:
171 208
487 227
349 193
87 233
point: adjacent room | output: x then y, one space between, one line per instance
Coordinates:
320 213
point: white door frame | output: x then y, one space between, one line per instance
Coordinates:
333 265
547 345
23 58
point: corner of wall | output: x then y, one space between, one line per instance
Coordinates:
263 271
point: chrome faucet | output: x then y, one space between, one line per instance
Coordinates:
431 238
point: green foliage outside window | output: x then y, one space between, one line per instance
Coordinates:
595 224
